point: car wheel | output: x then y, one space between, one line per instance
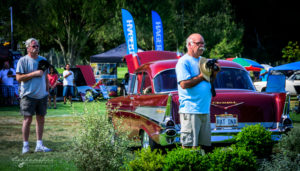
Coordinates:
146 141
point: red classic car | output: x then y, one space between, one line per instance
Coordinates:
150 110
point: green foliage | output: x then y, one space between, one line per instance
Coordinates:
216 23
227 158
255 138
96 147
146 160
281 162
232 158
185 159
291 51
288 157
79 29
289 144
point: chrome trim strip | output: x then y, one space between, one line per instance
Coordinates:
134 113
154 113
243 124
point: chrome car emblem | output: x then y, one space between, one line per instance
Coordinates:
226 107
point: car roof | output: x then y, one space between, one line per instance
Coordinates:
156 67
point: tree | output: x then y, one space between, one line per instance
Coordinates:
79 28
291 51
71 23
215 21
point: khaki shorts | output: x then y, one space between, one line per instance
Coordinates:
195 129
30 106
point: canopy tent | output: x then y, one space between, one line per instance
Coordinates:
290 66
112 56
248 64
266 67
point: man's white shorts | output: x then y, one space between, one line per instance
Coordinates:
195 129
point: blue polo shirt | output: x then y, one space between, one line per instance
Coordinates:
197 99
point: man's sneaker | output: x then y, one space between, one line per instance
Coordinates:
25 149
42 149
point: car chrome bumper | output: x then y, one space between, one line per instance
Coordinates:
217 136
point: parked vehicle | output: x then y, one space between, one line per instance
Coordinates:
82 84
292 84
150 111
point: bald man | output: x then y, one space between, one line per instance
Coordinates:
194 96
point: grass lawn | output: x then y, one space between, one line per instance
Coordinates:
60 126
121 72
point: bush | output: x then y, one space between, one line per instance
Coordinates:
146 160
257 139
281 162
288 156
289 144
185 159
95 147
232 158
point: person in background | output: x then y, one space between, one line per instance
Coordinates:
194 96
34 94
124 84
264 75
52 77
7 75
68 83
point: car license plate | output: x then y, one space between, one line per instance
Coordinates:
226 120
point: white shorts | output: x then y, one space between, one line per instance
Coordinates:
195 129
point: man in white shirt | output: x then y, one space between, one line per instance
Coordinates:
68 84
7 75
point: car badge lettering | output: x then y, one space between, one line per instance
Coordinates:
216 104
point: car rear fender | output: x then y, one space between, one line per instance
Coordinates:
282 101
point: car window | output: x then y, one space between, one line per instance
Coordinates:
165 81
297 77
131 84
227 78
146 84
231 78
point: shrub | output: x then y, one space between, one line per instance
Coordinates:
185 159
95 147
232 158
146 160
281 162
288 156
257 139
289 144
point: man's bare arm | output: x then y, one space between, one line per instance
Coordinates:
191 82
29 76
67 75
